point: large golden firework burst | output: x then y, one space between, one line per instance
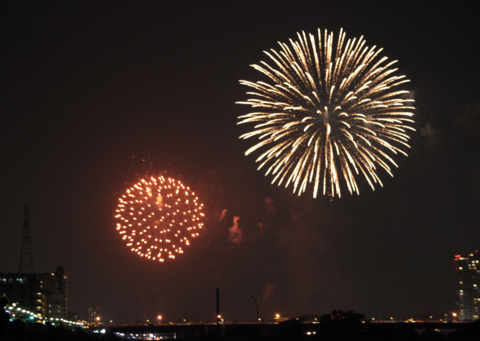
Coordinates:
330 113
158 216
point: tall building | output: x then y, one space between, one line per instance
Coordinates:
58 306
467 285
45 294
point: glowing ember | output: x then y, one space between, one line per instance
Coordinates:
330 113
158 216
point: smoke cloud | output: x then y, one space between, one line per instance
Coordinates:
223 214
270 207
267 292
235 232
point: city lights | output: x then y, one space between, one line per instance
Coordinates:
17 312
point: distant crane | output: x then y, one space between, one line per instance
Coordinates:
256 307
26 257
219 318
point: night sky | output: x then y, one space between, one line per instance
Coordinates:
95 94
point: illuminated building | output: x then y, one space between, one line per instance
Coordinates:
91 315
467 285
58 306
45 294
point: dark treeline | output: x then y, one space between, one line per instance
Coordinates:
24 330
19 330
350 326
337 326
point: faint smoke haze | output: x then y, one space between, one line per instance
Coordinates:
267 292
223 214
300 241
270 207
428 130
235 232
431 135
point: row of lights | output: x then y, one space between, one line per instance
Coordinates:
14 309
454 316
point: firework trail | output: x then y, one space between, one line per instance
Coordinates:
158 216
330 113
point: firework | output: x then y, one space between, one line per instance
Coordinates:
158 216
330 113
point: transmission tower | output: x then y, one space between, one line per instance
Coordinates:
26 257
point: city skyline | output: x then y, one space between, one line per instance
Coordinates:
467 282
96 96
465 275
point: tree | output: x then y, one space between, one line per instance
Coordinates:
339 322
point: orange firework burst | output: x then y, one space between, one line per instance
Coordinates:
158 216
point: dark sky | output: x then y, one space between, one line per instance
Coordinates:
91 89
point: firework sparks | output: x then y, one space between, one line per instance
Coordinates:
330 113
157 217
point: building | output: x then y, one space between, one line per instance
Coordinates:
45 294
467 285
58 306
91 315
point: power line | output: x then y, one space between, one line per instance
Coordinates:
8 217
251 259
254 245
282 277
256 260
26 256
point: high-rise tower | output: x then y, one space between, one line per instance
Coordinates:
467 285
26 257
